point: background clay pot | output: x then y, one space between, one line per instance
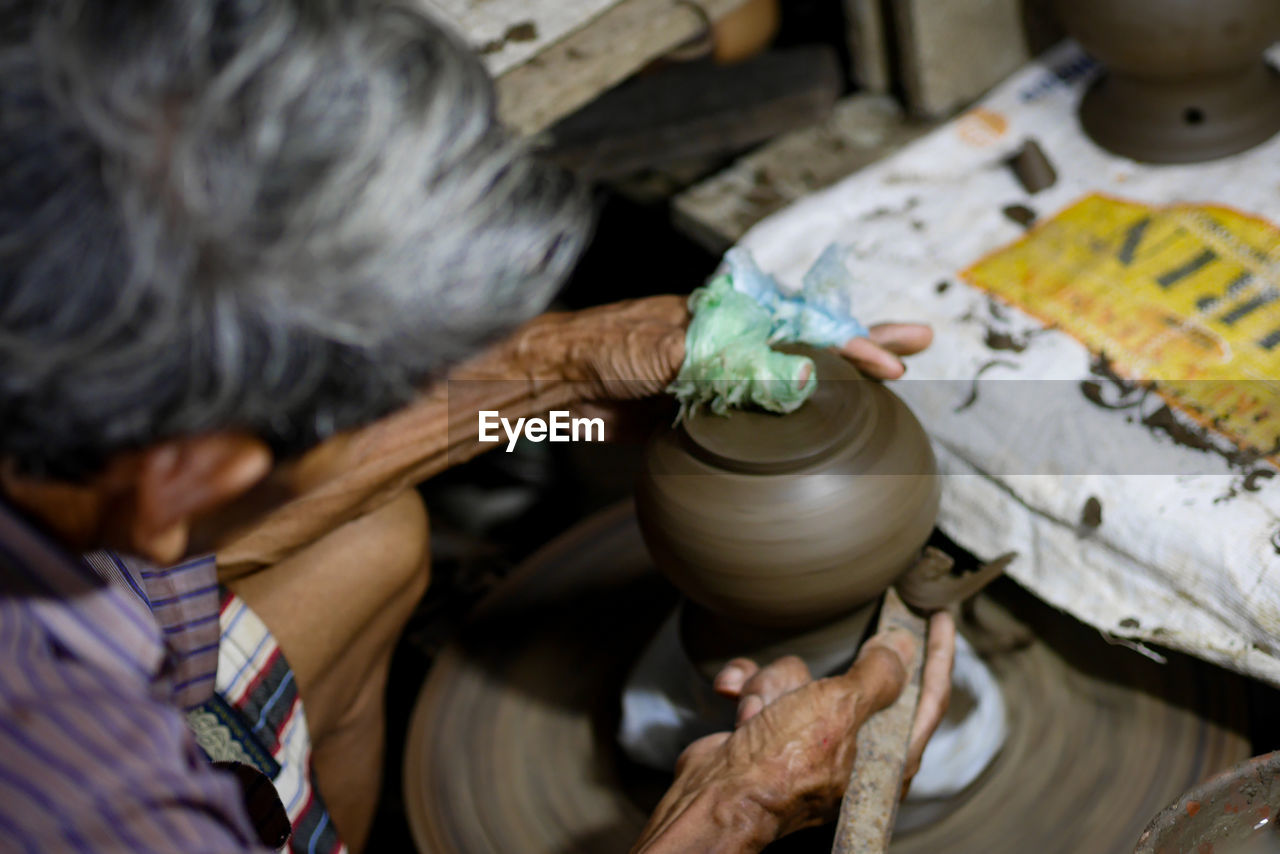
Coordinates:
1185 79
1233 813
791 520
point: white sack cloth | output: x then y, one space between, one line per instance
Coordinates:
1187 553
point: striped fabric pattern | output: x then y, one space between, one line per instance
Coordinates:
184 601
94 754
255 679
235 684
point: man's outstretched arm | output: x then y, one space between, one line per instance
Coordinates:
622 351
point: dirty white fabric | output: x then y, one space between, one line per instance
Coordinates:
1187 553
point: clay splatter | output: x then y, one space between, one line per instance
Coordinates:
885 211
525 31
973 390
1251 479
1033 167
1091 515
1188 436
997 325
1108 390
1021 214
1127 394
997 340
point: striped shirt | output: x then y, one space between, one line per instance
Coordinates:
97 661
183 599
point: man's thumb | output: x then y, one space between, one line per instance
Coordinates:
880 670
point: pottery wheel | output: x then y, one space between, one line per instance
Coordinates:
511 746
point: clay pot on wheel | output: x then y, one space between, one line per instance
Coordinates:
779 527
1185 80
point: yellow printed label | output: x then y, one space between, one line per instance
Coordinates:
1185 296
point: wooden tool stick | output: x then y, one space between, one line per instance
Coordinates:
871 802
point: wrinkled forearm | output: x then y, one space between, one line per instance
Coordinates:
623 350
356 473
712 819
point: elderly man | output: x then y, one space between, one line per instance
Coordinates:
243 244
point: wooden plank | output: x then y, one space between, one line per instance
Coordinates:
508 33
868 45
582 65
861 130
551 57
951 51
698 109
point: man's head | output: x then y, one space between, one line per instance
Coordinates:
232 228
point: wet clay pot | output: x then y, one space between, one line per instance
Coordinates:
1184 81
777 525
1235 812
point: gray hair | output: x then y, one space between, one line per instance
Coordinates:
280 216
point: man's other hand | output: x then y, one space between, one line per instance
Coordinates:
787 762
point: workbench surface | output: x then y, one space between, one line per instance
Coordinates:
1103 390
551 57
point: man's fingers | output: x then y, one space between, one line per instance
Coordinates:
903 339
897 640
935 689
877 354
700 749
731 678
881 670
781 677
748 707
872 359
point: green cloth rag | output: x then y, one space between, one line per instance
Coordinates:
737 315
728 361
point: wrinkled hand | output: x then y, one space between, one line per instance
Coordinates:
633 349
787 762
